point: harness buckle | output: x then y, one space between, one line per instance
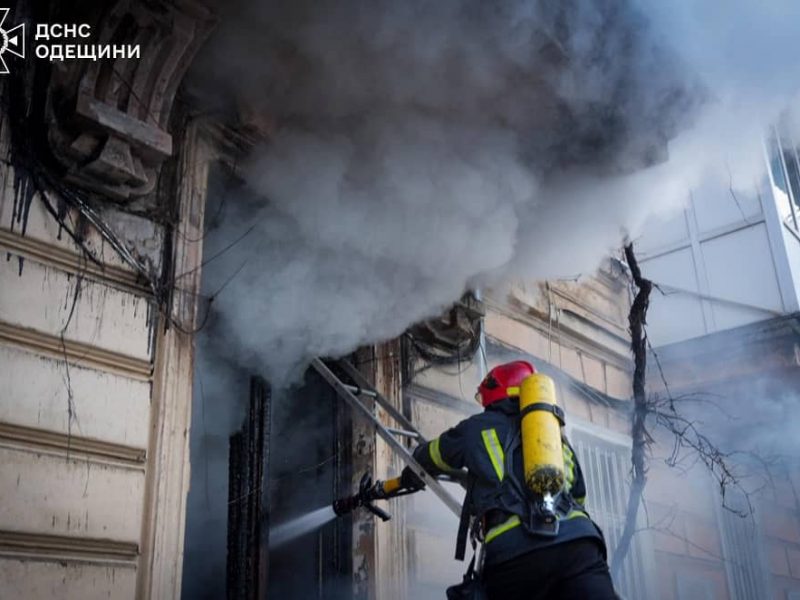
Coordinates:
543 521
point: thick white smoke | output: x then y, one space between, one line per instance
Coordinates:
421 148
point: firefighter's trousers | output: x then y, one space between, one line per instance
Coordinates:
573 570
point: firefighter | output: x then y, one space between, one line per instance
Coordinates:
519 562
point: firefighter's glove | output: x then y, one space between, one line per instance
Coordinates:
410 480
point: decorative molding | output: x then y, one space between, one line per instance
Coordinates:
563 333
76 353
71 445
109 117
420 393
44 547
63 259
577 424
613 328
167 480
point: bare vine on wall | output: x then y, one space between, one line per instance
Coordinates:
641 439
661 411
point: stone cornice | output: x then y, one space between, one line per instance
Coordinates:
108 119
77 353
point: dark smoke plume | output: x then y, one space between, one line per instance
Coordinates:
421 148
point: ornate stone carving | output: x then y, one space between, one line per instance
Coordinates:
108 119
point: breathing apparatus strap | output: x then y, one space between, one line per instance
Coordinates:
463 523
514 443
545 406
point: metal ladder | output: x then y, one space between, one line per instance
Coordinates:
361 387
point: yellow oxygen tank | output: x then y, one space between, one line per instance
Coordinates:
542 456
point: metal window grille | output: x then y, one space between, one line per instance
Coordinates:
606 470
745 564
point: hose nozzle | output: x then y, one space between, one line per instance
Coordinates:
367 494
344 506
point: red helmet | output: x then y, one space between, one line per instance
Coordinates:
494 386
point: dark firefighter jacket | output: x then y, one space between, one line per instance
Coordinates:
477 444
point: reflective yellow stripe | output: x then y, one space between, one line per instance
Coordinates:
512 522
436 456
569 467
575 513
495 451
581 500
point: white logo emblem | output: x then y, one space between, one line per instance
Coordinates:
11 40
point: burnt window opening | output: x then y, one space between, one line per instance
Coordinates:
259 459
309 468
248 498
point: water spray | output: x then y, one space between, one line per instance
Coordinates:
306 523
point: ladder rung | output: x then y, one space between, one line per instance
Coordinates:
403 432
358 391
358 378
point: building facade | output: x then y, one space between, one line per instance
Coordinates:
723 325
95 370
116 482
731 257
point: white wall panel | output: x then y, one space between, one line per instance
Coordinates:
46 494
675 316
740 269
662 231
41 298
432 419
792 244
728 263
52 580
42 227
434 560
107 407
715 206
